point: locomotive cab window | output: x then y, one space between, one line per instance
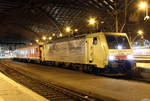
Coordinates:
115 41
95 41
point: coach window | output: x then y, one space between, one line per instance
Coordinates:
95 41
33 51
36 49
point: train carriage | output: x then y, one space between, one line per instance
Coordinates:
28 54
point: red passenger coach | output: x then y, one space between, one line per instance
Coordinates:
28 54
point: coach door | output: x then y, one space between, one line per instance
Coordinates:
89 51
95 52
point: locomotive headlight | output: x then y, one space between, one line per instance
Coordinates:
111 57
130 57
119 47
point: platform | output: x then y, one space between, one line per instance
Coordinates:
144 70
143 65
103 87
12 91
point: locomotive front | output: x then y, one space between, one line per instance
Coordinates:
120 56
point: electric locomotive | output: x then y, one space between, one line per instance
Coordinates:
103 51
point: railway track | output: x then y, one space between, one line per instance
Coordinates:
48 90
136 75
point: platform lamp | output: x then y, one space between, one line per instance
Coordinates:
44 38
93 22
60 35
50 38
140 33
144 5
53 34
37 40
69 30
76 30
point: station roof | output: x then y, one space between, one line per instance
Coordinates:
28 20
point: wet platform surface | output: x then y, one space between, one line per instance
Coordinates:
12 91
99 86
